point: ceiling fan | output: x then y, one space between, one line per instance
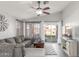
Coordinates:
40 10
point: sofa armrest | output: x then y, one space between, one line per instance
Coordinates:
18 52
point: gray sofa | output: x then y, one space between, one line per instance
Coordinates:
14 47
6 50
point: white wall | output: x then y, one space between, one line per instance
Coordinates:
11 31
71 16
71 13
42 31
59 32
51 17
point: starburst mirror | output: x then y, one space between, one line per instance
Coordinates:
3 23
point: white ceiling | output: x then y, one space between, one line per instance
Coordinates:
23 9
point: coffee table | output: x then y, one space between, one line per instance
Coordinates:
38 45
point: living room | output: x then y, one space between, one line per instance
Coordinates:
23 29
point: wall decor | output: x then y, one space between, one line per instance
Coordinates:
3 23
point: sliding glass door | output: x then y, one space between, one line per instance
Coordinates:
50 32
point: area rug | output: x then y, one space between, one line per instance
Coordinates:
49 50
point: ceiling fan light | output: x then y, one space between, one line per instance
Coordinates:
39 11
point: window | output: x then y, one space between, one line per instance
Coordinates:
19 27
50 29
32 29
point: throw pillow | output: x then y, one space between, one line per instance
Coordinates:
2 41
22 38
18 39
10 40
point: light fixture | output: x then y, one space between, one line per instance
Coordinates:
39 11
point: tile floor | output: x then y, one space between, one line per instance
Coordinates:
40 52
58 50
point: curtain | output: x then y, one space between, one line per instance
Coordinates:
32 30
19 28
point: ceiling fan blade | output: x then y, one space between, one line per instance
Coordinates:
46 12
33 7
38 3
46 8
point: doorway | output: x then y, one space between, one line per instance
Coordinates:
51 32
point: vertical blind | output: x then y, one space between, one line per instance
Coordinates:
19 28
32 30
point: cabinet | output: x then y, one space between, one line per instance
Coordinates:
70 47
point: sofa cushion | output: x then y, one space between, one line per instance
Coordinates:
22 38
10 40
26 43
18 45
27 39
18 52
6 50
2 41
18 39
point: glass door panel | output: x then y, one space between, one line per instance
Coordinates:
50 32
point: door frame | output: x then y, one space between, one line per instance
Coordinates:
53 23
